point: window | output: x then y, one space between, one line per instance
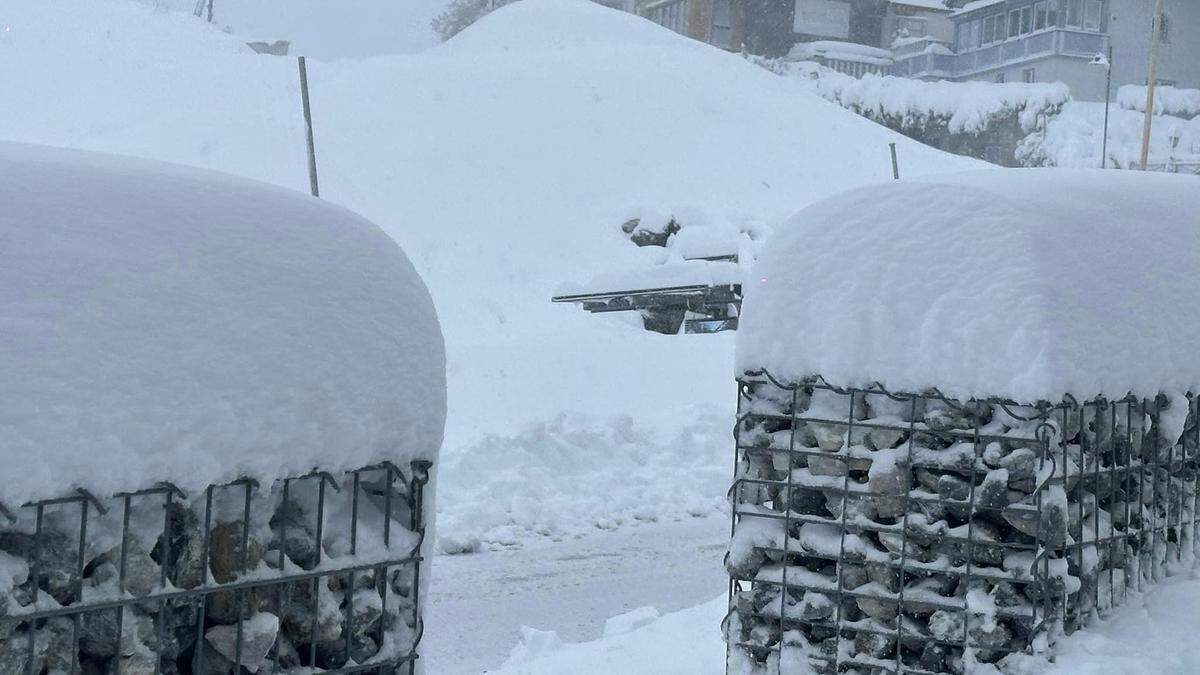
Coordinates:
1165 29
1026 19
1091 17
1039 16
1000 79
1029 75
722 23
1052 14
989 30
911 26
1014 23
1074 11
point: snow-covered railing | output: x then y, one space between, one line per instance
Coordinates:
916 533
311 572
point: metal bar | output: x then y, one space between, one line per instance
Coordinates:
841 572
244 564
787 521
162 576
350 577
316 587
84 507
198 658
35 575
194 593
121 574
308 129
420 475
908 477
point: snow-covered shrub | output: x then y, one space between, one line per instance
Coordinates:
1075 139
916 488
1167 100
223 400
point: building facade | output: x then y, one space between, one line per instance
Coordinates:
1060 40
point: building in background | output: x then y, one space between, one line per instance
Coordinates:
1058 41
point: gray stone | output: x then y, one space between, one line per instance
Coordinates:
830 437
874 645
827 466
56 560
258 636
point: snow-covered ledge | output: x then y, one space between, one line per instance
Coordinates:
967 419
221 404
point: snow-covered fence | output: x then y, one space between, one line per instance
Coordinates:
915 489
222 402
315 571
918 533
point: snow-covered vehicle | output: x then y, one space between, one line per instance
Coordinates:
221 404
967 420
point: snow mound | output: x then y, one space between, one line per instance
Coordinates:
167 323
562 25
502 173
1027 283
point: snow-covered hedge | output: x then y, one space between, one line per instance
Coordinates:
1075 139
962 117
1167 100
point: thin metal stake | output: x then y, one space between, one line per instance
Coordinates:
895 162
308 128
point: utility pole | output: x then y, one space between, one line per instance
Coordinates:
312 153
1151 81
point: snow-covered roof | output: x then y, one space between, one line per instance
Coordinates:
1028 284
167 323
938 5
977 4
844 51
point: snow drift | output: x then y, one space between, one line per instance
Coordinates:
165 323
503 162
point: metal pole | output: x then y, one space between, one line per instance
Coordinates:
1151 81
895 162
312 152
1107 104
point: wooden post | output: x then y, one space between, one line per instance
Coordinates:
895 162
210 16
1151 81
312 152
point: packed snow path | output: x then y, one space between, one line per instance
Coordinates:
478 603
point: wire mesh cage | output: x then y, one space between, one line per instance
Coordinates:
313 574
877 532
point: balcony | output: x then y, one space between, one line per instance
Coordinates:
1058 42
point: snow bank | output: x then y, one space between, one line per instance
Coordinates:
503 162
167 323
986 283
579 474
1167 100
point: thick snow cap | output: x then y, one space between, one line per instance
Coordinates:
166 323
1027 284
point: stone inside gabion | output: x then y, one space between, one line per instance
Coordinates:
887 533
349 599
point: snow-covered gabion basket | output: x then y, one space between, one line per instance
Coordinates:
221 405
966 423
